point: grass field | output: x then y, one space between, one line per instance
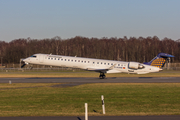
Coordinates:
41 99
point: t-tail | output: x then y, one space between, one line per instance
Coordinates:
159 60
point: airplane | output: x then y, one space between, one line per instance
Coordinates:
99 65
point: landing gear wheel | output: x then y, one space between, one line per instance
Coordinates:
102 76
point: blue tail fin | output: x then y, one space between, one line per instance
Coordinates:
159 60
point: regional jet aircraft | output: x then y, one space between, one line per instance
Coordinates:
99 65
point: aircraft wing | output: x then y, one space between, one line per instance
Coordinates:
97 70
101 70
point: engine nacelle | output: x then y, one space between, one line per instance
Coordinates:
135 65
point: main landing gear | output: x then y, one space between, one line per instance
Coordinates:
102 76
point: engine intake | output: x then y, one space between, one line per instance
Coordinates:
135 65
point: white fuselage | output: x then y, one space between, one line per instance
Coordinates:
88 64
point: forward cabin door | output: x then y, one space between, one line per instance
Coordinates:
41 58
93 63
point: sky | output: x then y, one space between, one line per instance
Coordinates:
39 19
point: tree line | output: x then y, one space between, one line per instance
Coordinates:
123 49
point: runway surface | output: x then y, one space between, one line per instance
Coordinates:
78 81
94 80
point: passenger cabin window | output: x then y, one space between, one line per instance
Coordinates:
104 63
88 61
97 62
78 60
64 59
48 58
68 59
82 61
61 59
118 64
71 60
111 63
54 58
108 63
51 58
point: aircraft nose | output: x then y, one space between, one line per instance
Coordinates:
22 60
25 60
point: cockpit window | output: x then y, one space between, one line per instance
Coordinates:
33 56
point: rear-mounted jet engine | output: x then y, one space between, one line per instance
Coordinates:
135 65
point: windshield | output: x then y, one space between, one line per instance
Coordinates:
33 56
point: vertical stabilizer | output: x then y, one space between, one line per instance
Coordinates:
159 60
